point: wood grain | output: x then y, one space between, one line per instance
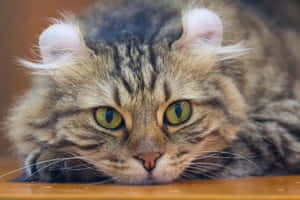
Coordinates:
260 188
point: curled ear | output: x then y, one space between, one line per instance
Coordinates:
60 40
203 27
61 44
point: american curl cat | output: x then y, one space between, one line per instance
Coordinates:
150 92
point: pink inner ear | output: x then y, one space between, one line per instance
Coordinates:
60 39
202 25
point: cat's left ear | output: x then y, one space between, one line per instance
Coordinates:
201 27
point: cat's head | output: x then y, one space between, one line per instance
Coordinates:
139 113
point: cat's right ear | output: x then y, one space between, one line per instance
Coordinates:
61 40
59 44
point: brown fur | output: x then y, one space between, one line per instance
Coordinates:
244 107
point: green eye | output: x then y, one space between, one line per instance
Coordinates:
178 112
108 117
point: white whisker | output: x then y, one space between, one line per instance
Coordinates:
234 156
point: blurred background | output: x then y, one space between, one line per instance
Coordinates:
21 22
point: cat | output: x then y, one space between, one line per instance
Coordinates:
144 92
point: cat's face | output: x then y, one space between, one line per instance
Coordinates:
139 113
145 125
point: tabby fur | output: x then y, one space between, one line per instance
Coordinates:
245 98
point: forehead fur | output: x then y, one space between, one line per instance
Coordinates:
127 75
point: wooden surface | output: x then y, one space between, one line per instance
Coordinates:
262 188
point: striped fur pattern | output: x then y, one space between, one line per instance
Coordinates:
244 96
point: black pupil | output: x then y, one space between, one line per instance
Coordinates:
178 110
109 115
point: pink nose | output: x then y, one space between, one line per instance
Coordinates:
148 160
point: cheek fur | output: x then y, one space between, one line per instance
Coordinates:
168 170
213 142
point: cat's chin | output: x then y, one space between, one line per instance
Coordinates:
150 180
155 178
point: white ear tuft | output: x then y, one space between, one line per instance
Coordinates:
60 40
202 26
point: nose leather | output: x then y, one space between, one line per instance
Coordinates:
148 160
